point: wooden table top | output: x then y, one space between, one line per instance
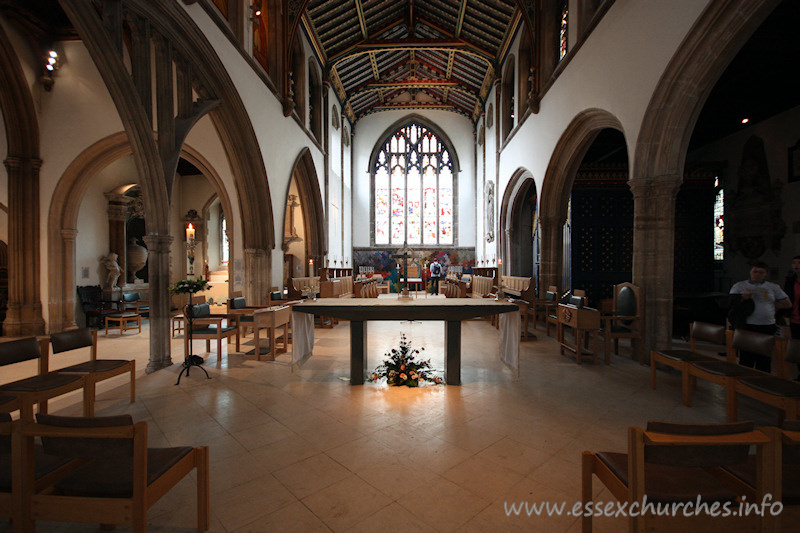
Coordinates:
405 309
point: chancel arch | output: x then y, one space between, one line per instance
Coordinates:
557 187
519 221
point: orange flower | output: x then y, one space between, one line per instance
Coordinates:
403 376
402 367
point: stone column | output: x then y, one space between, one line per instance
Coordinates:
67 317
24 316
552 247
653 254
158 256
257 281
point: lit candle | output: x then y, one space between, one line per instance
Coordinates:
311 262
190 233
500 261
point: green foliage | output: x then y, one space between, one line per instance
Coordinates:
402 368
189 286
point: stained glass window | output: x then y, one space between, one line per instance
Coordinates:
719 222
414 189
562 35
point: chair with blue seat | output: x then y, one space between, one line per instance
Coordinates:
626 321
208 326
241 316
132 302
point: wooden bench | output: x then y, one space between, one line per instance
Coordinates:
336 288
481 287
520 287
41 387
296 286
366 288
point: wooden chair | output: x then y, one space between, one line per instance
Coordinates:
179 321
272 319
550 308
782 393
679 463
725 373
787 467
120 478
681 359
626 322
93 305
94 370
241 316
133 302
209 327
42 387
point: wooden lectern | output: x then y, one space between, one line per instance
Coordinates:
583 320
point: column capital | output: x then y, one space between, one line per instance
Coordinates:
158 243
655 187
69 234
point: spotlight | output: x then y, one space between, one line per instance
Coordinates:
745 120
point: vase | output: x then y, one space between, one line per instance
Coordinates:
136 258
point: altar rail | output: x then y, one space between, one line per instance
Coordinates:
331 273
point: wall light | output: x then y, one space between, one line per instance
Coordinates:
256 9
51 64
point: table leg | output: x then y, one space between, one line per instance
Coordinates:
452 352
358 351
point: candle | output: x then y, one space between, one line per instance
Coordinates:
190 233
310 262
500 261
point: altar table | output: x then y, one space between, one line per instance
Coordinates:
450 310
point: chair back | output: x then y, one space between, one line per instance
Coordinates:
793 352
201 310
86 448
71 340
626 302
19 350
751 341
131 297
699 455
713 333
577 301
238 303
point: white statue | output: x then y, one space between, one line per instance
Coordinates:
112 270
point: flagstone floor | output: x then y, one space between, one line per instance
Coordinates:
304 451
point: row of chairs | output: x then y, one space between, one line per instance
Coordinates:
776 390
687 471
24 394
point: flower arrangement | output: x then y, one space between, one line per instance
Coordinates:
189 286
402 368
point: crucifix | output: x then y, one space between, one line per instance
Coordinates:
404 256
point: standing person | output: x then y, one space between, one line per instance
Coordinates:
792 288
766 297
436 273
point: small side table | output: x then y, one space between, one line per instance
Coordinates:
121 320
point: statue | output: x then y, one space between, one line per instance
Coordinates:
112 270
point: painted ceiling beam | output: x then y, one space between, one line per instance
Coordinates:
370 45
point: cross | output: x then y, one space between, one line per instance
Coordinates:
405 255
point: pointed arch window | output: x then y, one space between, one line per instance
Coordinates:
414 189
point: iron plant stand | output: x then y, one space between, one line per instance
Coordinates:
190 360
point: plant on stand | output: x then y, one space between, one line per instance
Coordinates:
402 368
189 287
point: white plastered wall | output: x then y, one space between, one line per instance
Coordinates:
280 138
369 131
616 69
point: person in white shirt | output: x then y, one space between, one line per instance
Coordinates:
767 297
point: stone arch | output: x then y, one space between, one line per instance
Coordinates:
660 151
305 175
558 180
517 189
63 217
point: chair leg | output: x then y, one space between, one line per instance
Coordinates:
653 378
203 489
133 380
587 461
89 388
732 400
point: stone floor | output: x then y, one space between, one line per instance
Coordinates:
304 451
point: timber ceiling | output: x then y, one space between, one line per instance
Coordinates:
406 54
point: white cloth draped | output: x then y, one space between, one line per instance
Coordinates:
509 340
302 337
